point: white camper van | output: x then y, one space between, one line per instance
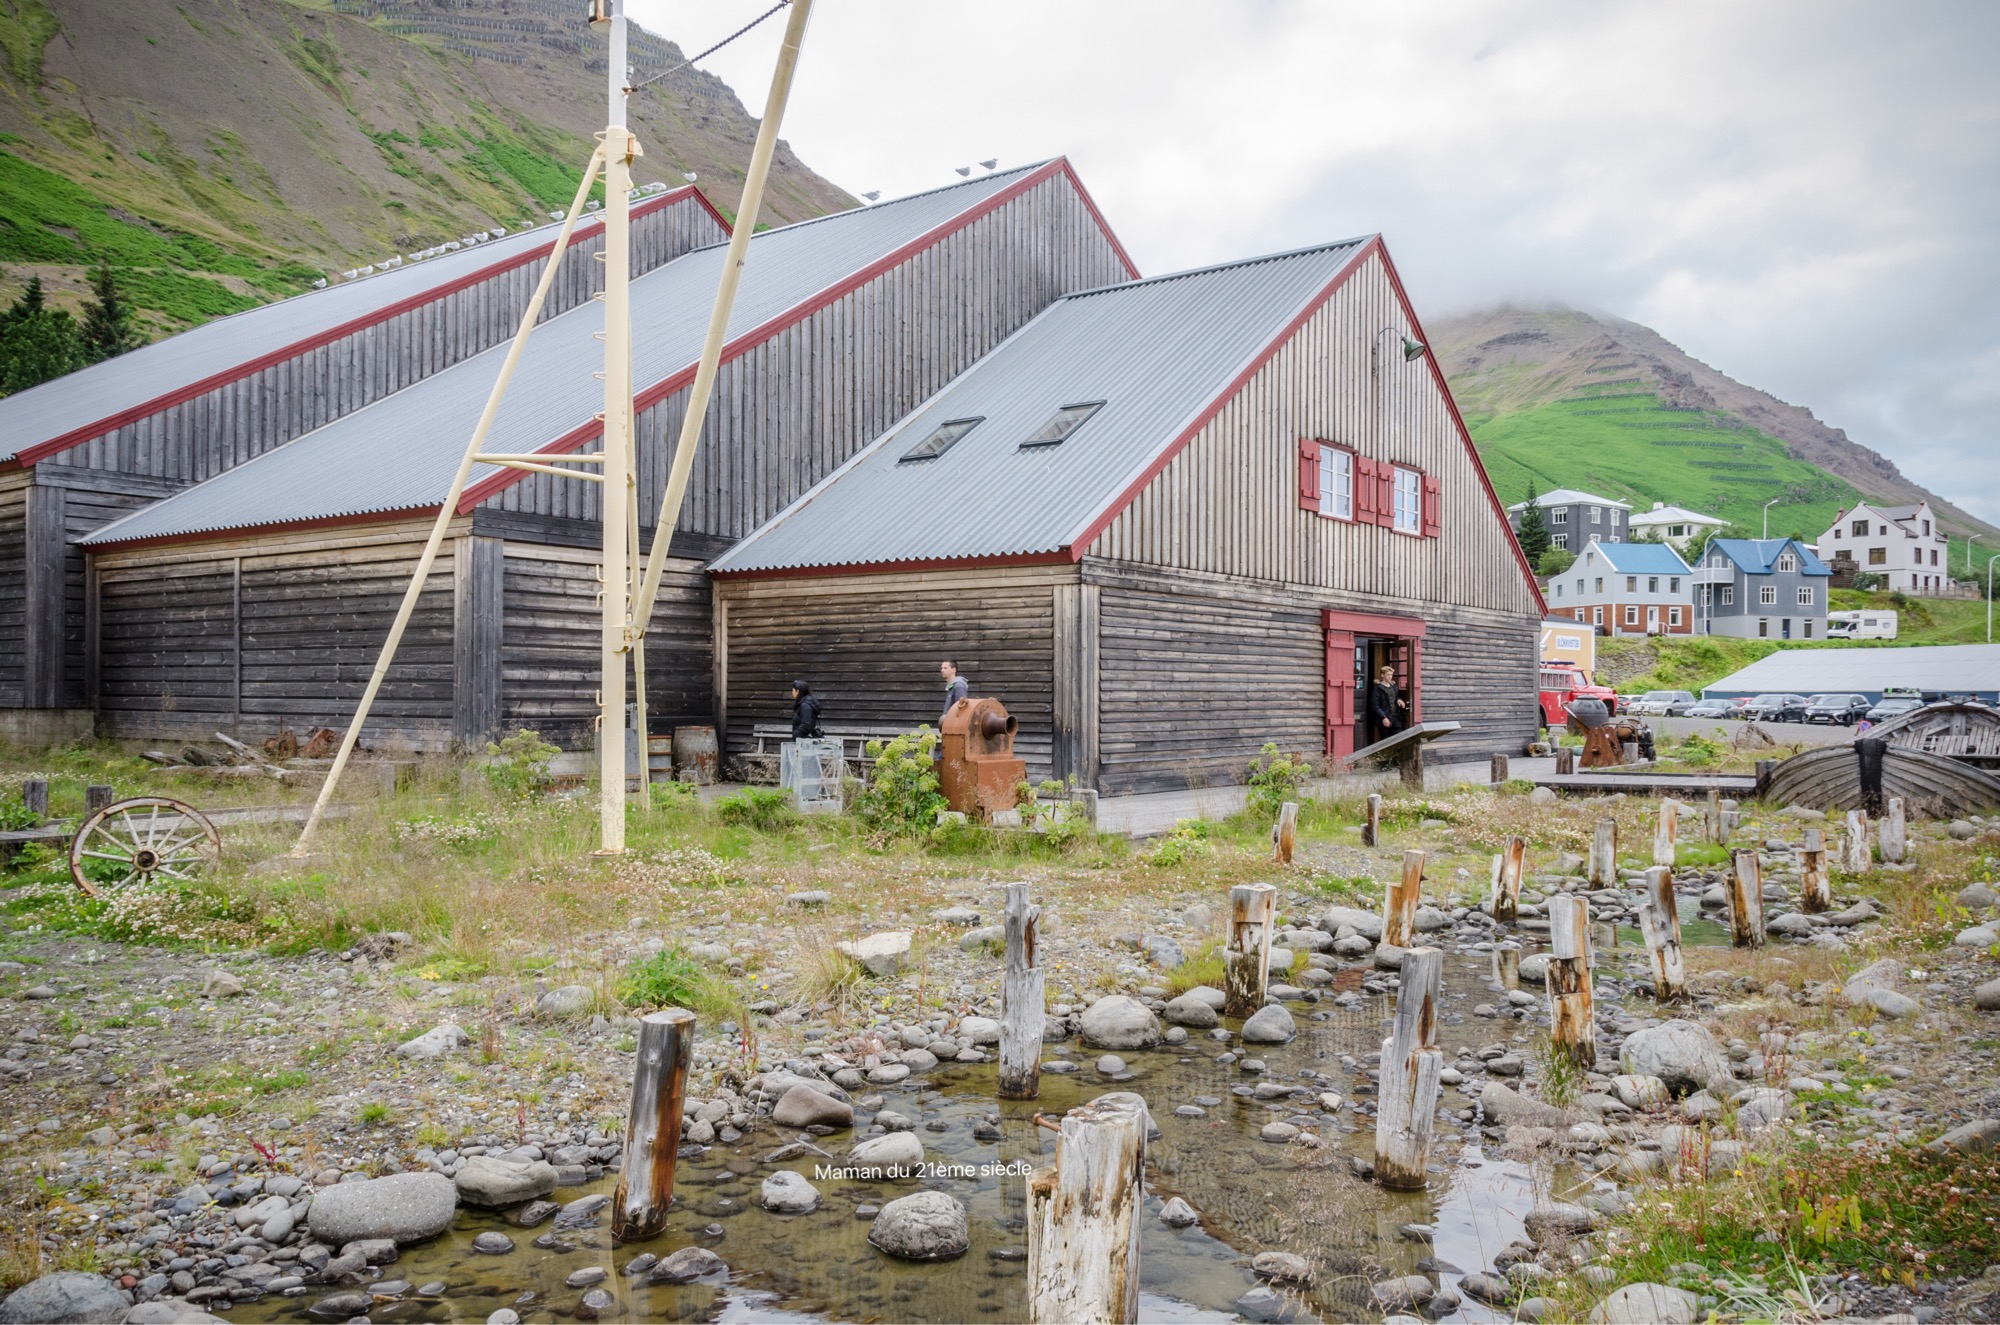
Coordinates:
1861 625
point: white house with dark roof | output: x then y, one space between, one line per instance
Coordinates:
1901 544
1574 518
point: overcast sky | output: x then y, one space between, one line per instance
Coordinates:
1804 194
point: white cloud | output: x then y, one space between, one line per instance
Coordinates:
1803 193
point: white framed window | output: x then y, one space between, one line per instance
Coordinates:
1631 615
1728 595
1677 531
1673 616
1808 625
1559 515
1707 595
1579 586
1559 540
1652 584
1805 595
1336 482
1600 584
1767 594
1559 589
1788 563
1631 584
1763 625
1409 501
1596 616
1674 584
1597 515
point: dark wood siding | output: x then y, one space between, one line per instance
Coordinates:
13 596
788 412
85 510
871 649
244 637
551 631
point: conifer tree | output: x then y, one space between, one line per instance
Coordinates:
36 342
107 321
1534 535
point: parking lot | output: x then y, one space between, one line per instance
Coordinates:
1784 733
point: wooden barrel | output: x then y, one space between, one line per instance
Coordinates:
696 756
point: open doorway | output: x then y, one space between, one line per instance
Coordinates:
1358 646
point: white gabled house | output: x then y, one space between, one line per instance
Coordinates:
1902 544
1676 526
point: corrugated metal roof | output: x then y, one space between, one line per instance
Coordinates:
103 391
1569 497
1157 352
1758 555
1953 668
401 452
1642 558
1674 515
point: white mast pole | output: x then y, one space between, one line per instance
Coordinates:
619 150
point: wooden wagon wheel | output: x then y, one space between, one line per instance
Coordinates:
142 839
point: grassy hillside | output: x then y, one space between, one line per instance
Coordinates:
220 153
1635 665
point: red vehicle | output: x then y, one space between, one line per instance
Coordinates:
1562 684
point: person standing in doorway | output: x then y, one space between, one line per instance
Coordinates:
805 711
955 688
1385 707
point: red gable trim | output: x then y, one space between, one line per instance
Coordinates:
1057 558
1131 493
215 381
650 396
250 530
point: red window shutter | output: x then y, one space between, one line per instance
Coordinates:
1364 490
1308 475
1385 494
1433 506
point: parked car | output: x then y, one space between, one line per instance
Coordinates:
1715 708
1662 703
1845 710
1775 707
1894 706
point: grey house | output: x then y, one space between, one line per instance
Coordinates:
1761 588
1574 518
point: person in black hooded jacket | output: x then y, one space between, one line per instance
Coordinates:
805 711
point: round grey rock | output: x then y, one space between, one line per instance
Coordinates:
686 1266
495 1184
788 1193
1680 1053
1120 1022
492 1243
62 1297
1647 1304
803 1106
1271 1024
404 1207
924 1226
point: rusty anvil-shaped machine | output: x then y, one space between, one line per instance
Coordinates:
978 772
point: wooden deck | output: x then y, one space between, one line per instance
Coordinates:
1640 782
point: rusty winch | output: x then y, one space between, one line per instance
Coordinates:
977 771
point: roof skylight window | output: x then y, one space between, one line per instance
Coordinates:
942 440
1066 421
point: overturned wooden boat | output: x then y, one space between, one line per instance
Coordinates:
1863 776
1956 730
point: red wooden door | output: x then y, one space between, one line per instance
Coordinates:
1339 693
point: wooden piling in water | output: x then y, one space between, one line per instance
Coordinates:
1815 879
1604 855
35 797
1497 772
1021 999
1572 1019
1286 832
1246 957
1507 868
1410 1070
1711 818
1895 832
1399 902
1660 925
1664 833
1565 760
95 797
1744 888
653 1125
1856 858
1084 1216
1507 965
1371 827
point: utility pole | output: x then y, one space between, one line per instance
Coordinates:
1989 595
620 148
1767 514
1969 541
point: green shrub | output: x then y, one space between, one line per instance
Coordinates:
671 979
1697 751
1274 779
1188 841
519 765
901 796
766 809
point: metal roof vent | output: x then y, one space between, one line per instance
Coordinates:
1066 421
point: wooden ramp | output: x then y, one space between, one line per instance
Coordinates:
1633 781
1405 749
1836 778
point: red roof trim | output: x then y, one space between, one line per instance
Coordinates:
1132 490
892 567
246 531
645 399
77 436
1364 623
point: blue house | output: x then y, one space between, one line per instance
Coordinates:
1761 588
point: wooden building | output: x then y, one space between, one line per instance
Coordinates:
83 450
262 595
1166 522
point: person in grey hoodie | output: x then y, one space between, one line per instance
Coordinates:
954 687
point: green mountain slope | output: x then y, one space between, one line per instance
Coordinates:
225 152
1560 398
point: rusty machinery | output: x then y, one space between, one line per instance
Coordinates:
977 771
1605 737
